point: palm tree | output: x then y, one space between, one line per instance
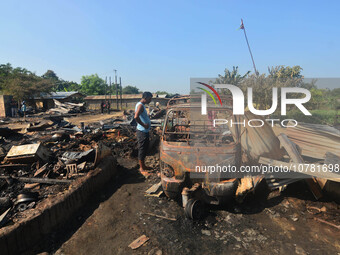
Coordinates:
231 77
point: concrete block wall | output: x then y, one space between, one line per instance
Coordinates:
94 104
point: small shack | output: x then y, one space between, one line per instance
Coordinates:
46 101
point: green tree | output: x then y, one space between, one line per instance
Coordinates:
50 75
231 77
21 83
130 90
164 93
60 84
262 85
27 85
93 85
317 98
285 72
69 86
5 72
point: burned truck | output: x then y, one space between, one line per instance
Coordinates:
190 147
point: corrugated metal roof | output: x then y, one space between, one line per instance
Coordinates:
58 95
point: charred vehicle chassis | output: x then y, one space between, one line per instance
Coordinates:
190 142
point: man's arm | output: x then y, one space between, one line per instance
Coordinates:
139 111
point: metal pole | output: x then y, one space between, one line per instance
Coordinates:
120 85
105 87
251 55
110 88
116 89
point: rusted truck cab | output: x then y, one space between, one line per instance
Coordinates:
189 145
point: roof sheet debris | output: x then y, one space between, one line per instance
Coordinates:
315 140
67 107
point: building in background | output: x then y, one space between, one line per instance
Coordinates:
46 101
128 101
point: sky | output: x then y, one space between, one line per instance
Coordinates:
160 45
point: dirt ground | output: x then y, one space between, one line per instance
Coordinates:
93 118
116 216
75 120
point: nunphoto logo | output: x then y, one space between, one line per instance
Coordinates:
219 120
238 103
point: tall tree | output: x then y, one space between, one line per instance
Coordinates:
68 86
285 72
5 70
130 90
231 77
50 75
27 85
93 85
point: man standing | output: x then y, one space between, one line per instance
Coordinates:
23 108
143 128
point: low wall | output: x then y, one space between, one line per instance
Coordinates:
94 104
55 211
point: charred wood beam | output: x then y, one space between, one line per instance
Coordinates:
37 180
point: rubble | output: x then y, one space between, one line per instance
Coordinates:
28 153
74 151
315 140
67 107
47 155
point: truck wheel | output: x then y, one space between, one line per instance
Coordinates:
194 209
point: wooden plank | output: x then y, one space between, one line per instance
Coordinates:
138 242
38 180
13 165
31 185
160 216
40 170
154 188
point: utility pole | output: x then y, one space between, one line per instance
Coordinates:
251 55
121 90
116 89
105 87
110 89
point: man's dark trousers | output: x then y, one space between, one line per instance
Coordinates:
143 144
